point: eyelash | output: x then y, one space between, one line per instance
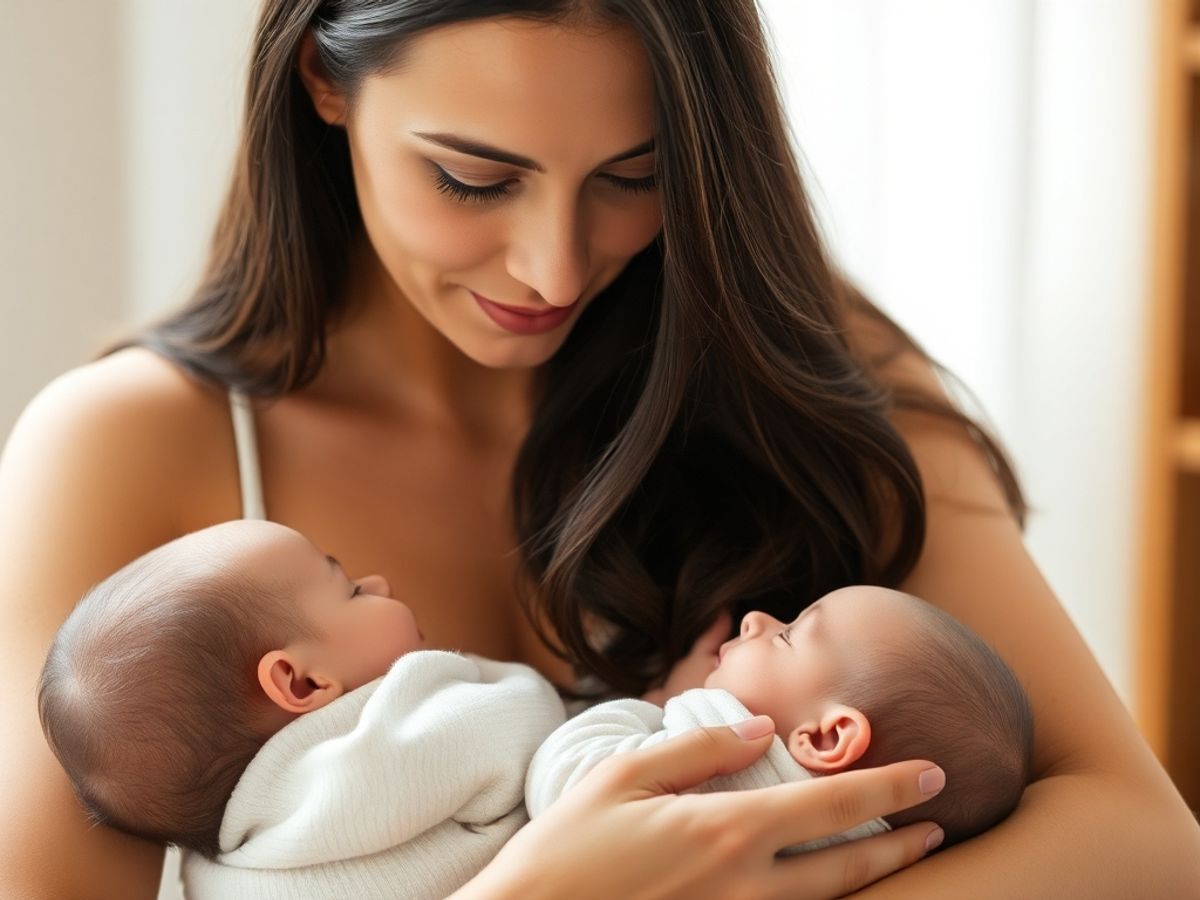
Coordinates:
786 636
470 194
357 590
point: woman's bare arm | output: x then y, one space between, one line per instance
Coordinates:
1102 818
95 473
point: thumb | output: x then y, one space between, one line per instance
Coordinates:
692 758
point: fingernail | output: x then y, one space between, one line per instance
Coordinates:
754 728
931 781
934 839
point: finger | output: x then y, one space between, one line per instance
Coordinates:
691 758
846 868
805 810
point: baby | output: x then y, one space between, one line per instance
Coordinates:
863 677
224 693
234 693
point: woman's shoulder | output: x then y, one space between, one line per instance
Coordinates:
130 427
131 382
953 465
890 355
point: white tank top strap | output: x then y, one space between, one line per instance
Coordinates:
249 474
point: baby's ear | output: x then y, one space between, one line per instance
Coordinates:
833 742
289 686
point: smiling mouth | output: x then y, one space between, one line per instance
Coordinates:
519 320
521 310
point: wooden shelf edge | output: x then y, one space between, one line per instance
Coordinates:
1176 57
1187 445
1191 47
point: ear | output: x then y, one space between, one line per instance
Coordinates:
832 743
290 687
328 100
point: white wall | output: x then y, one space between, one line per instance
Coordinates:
120 123
63 196
185 70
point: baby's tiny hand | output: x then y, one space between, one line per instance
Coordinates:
693 669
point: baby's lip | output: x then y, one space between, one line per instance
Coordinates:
723 649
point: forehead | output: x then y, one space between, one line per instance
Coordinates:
859 617
264 549
545 90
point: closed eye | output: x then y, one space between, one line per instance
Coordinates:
786 635
632 185
467 192
357 590
451 186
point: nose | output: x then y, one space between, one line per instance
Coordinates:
548 251
375 584
755 623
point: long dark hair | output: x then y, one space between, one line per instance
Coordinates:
708 435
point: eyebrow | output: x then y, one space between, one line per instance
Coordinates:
334 564
485 151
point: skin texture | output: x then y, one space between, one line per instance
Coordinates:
790 671
358 628
554 238
397 460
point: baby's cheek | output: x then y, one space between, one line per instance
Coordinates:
716 679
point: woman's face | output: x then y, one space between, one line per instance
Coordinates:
505 176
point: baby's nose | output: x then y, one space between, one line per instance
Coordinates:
754 623
377 585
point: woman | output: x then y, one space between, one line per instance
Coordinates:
537 321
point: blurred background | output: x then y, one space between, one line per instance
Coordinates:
984 169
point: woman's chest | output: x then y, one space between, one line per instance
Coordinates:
430 511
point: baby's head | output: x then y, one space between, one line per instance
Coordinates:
868 676
171 674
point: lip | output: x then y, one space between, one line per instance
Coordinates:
519 320
724 648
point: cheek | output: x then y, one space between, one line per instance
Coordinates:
751 675
621 234
736 676
431 232
410 223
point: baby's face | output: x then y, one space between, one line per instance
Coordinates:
787 671
360 628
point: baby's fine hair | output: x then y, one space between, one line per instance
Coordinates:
948 697
149 696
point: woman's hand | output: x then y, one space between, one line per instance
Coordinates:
693 669
623 831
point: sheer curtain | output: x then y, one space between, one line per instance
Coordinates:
982 170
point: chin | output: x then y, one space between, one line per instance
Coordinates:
517 354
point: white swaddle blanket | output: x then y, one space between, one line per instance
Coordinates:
619 726
404 788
